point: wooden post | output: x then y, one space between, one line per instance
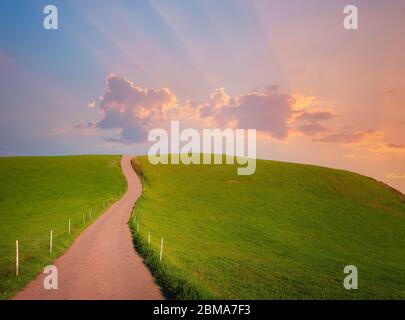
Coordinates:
16 258
69 227
50 242
161 249
149 238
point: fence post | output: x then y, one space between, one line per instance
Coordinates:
161 249
50 242
149 238
16 258
137 227
69 227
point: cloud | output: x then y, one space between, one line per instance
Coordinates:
135 110
388 147
308 121
395 175
394 146
313 116
82 128
372 140
267 111
132 109
83 125
311 129
92 104
351 138
309 115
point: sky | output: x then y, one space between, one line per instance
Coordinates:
316 92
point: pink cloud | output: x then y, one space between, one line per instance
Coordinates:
83 125
393 175
388 147
308 121
134 110
350 138
267 111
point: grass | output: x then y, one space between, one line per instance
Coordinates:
38 194
286 232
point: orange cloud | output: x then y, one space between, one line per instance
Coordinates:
362 137
395 175
388 147
133 111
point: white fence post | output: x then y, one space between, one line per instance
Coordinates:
50 242
161 249
16 258
149 238
69 227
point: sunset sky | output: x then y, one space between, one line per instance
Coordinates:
316 93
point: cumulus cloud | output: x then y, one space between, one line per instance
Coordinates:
132 109
267 111
135 110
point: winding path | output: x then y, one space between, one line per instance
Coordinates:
102 263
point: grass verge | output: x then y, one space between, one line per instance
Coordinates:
39 194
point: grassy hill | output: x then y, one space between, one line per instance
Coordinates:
38 194
287 231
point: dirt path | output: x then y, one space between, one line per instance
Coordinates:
102 263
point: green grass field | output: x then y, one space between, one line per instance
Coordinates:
288 231
38 194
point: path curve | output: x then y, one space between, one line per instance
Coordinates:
102 262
